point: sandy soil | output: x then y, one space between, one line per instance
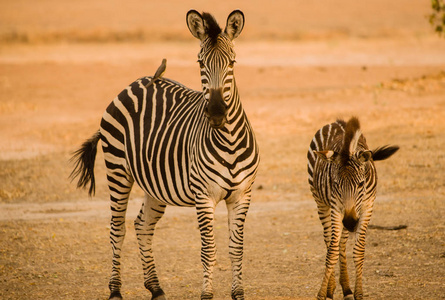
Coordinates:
299 67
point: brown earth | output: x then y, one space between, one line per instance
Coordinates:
300 66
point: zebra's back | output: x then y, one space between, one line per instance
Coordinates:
148 134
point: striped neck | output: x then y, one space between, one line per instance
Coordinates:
235 113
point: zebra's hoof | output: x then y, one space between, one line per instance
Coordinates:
349 297
160 297
116 295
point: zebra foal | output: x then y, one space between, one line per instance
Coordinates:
343 181
183 148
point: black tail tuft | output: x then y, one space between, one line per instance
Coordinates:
84 163
384 152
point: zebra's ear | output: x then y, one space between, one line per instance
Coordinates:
365 156
235 24
327 155
195 24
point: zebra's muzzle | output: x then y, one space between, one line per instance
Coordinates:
216 109
217 123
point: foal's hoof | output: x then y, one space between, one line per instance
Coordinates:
349 297
238 295
158 295
116 295
206 296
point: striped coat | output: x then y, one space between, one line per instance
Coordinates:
183 148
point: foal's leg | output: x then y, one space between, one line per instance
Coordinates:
359 257
324 213
145 223
344 278
331 256
237 212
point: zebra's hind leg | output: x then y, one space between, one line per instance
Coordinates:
237 212
145 223
344 278
205 210
119 193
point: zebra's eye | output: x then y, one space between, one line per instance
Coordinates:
201 64
232 63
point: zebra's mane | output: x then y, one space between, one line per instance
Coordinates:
212 28
352 129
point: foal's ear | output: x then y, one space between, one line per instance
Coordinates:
195 24
235 24
327 155
384 152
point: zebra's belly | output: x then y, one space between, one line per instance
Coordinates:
167 191
164 179
174 188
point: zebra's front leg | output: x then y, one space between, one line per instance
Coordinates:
332 255
145 223
237 212
205 211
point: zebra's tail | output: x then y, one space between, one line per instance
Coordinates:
84 159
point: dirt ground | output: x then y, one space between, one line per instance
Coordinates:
300 66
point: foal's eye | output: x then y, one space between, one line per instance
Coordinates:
201 64
232 63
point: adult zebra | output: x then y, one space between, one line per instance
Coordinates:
183 148
343 181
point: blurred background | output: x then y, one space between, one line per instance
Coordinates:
147 21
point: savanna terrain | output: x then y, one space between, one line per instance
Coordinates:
300 65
